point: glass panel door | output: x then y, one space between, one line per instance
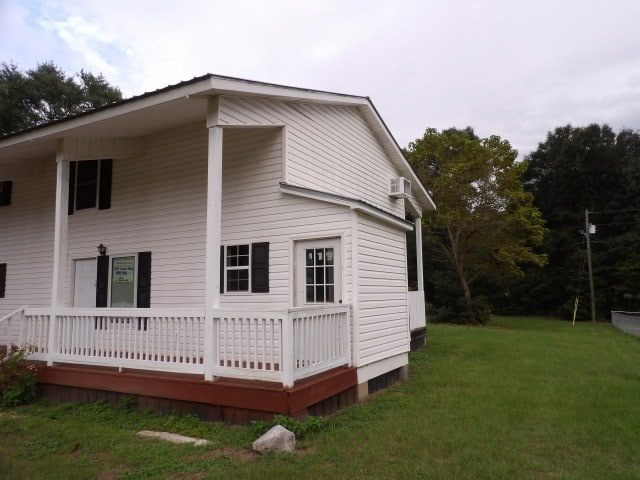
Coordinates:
318 272
123 282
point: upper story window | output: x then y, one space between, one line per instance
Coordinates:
5 193
90 184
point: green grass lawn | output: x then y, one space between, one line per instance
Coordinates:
521 398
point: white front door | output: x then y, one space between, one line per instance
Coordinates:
84 286
318 272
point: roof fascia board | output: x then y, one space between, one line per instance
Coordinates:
224 85
353 204
425 199
87 118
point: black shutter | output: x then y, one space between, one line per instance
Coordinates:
144 287
5 201
3 278
260 267
104 194
144 280
221 268
6 193
72 187
102 282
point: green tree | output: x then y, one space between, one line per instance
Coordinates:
46 94
485 225
574 169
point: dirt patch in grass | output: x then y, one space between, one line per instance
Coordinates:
237 453
241 454
112 474
188 476
10 415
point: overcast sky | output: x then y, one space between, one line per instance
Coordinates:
514 68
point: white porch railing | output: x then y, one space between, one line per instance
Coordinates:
417 316
275 346
8 322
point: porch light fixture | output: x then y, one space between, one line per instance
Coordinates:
102 250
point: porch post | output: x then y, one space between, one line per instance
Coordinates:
288 355
418 227
213 237
60 230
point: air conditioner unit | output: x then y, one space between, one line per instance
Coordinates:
400 187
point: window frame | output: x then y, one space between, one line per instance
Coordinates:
93 182
103 184
76 171
247 267
299 284
324 267
135 278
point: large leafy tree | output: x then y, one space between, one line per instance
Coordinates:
485 226
574 169
46 93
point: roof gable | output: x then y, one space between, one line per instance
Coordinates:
185 102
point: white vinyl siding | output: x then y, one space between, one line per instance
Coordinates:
254 210
158 204
382 291
329 148
26 242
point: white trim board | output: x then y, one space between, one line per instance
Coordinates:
352 203
373 370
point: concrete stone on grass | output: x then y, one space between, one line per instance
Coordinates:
277 439
174 437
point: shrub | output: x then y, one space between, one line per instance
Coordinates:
17 378
459 312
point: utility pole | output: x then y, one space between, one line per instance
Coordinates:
587 233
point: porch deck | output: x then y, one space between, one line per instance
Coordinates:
230 400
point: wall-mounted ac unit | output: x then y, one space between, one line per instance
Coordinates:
400 187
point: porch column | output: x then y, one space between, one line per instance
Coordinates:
60 230
418 228
212 251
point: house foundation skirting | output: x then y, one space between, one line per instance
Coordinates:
418 338
229 400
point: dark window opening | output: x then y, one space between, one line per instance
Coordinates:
90 184
5 193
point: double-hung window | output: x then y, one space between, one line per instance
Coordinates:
244 268
90 184
237 268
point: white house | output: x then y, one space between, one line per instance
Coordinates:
229 231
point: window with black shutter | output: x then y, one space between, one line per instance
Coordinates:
244 268
124 281
5 193
90 184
